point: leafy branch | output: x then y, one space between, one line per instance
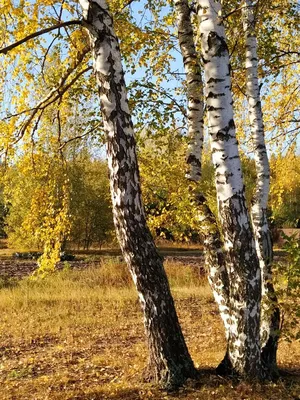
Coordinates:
6 49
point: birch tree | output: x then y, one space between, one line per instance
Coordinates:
170 363
204 218
214 256
244 351
270 312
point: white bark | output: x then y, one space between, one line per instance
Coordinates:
170 362
207 224
241 258
194 89
270 312
214 258
259 206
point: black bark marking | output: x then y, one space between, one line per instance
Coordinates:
192 159
217 46
215 80
223 134
212 95
212 108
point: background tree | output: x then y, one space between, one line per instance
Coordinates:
285 189
165 192
85 183
39 204
90 204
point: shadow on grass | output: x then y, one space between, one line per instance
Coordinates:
210 377
208 386
291 371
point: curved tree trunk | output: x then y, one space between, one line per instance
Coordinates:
242 264
194 89
170 361
270 316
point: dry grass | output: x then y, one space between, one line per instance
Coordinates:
79 335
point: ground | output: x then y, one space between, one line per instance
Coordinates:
78 334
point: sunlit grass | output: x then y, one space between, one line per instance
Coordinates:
78 334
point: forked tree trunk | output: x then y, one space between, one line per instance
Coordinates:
206 222
194 89
270 316
170 361
242 264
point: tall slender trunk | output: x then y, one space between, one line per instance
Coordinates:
170 361
242 264
207 224
194 89
270 316
215 265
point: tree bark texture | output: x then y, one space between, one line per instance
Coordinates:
194 89
270 316
169 359
214 258
207 224
242 264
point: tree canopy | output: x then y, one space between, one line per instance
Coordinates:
48 97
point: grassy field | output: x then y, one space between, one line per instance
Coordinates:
78 334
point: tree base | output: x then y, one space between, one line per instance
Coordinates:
225 367
269 351
169 379
269 372
268 356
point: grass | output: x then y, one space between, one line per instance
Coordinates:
78 334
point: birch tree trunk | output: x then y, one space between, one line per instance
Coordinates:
270 316
244 352
169 360
194 89
206 222
214 258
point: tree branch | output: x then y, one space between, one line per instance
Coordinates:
62 81
128 3
164 93
47 101
64 143
5 50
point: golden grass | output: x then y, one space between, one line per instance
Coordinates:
78 334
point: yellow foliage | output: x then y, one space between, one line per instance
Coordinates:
285 188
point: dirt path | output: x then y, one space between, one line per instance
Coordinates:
11 268
14 268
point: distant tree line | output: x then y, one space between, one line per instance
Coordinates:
165 194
